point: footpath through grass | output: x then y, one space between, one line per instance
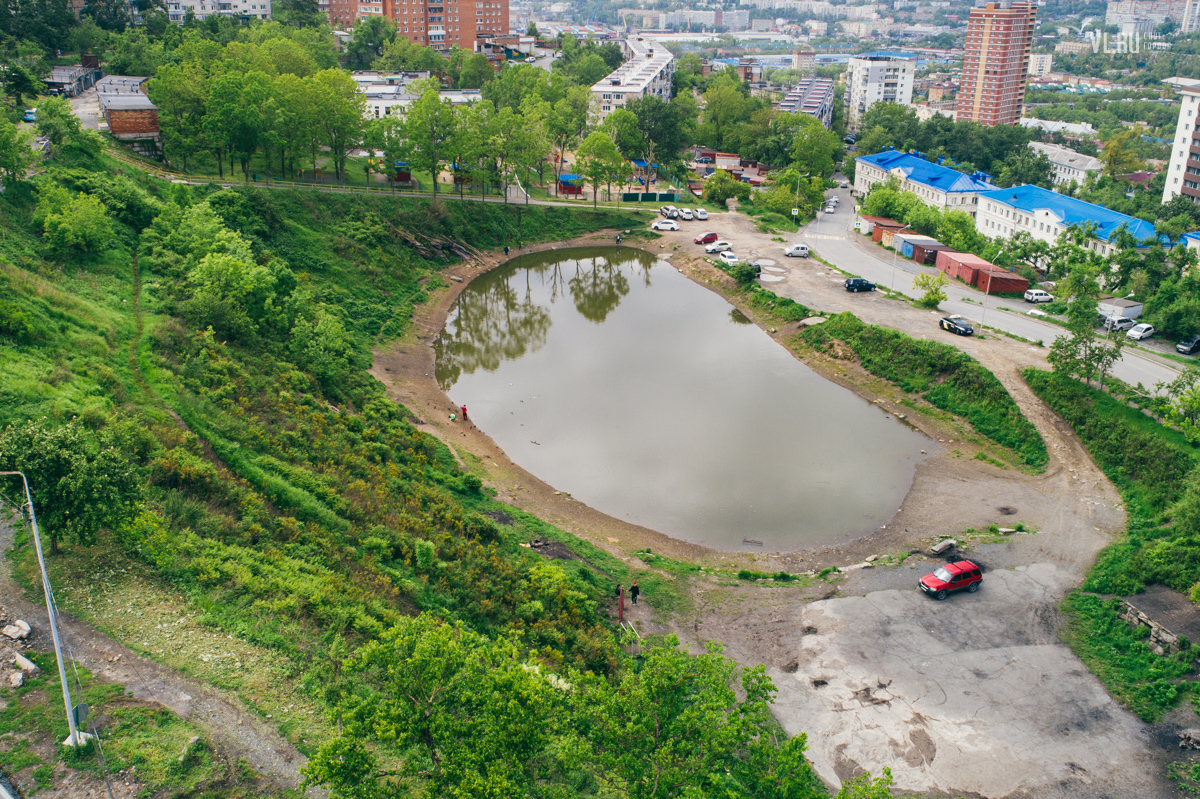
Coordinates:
946 377
1154 468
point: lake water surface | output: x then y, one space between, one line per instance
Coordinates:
611 376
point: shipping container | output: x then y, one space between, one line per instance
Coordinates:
904 242
997 280
960 265
926 253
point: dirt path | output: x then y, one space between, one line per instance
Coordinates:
237 734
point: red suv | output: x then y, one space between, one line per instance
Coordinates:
705 238
952 577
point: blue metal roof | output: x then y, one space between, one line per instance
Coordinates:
919 170
887 54
568 177
1071 211
638 162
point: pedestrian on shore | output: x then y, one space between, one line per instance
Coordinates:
452 417
505 250
634 591
464 413
618 238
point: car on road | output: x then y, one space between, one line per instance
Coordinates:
796 251
944 580
718 246
728 258
845 184
858 284
685 214
956 324
1117 323
704 159
829 209
1189 346
700 214
834 200
1037 295
531 60
30 115
1140 332
665 224
705 238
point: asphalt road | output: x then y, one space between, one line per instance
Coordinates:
833 237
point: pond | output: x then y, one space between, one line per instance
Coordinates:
611 376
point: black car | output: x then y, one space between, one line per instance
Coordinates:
956 324
858 284
1189 346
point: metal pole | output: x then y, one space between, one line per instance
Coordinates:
74 739
901 230
987 291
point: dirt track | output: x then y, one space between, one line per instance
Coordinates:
972 696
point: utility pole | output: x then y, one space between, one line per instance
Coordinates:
76 738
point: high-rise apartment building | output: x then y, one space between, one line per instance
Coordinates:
878 78
1183 172
440 24
996 64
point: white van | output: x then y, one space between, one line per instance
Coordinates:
1037 295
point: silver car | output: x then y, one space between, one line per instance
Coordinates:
700 214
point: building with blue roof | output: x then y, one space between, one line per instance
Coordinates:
1046 215
940 186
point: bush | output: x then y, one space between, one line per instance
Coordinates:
743 272
948 378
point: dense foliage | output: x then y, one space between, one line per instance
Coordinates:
945 376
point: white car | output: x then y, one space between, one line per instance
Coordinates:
718 246
832 200
685 214
1037 295
829 209
728 258
665 224
796 251
1140 332
700 214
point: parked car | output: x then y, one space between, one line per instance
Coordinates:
829 209
1140 332
718 246
704 159
728 258
30 115
1037 295
961 576
796 251
834 200
685 214
1189 346
700 214
705 238
956 324
858 284
666 210
665 224
1117 323
845 184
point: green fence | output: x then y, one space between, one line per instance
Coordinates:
648 197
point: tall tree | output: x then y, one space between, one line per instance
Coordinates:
372 35
661 126
181 93
16 152
1119 156
429 127
597 160
338 108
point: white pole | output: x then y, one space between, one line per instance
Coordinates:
74 739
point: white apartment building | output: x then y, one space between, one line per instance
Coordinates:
1068 164
648 71
1046 215
1040 64
935 185
877 78
1183 172
177 9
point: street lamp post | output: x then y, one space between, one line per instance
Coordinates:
986 291
76 738
894 252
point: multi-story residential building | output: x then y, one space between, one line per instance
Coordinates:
1073 48
812 96
1183 171
939 186
1068 164
878 78
202 9
996 63
1041 64
1143 16
1046 215
440 24
648 70
804 60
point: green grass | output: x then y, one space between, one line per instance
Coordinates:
1148 684
946 377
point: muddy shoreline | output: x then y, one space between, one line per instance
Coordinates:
406 368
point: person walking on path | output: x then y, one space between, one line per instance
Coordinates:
505 250
634 591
